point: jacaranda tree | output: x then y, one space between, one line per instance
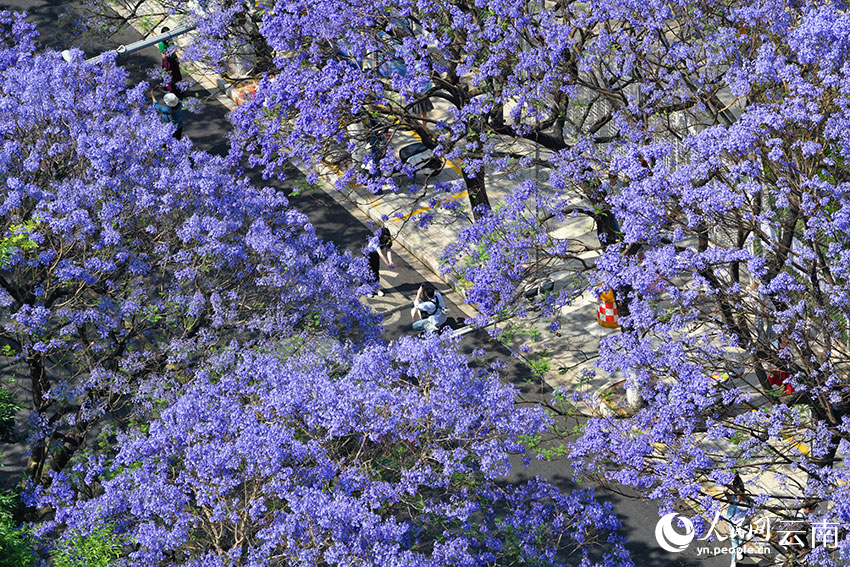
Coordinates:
728 247
137 253
354 73
708 142
388 456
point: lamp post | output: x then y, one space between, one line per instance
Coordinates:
141 44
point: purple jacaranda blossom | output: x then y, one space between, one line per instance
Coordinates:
689 157
387 456
144 253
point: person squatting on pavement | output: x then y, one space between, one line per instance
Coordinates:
380 250
429 310
170 112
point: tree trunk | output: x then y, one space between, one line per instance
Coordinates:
40 385
477 192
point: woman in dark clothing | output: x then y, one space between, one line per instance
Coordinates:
382 252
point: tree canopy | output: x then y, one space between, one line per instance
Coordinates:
708 144
207 388
142 253
387 456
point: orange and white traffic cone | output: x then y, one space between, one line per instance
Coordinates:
606 310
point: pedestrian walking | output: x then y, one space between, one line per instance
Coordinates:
170 112
380 250
429 310
171 65
379 139
737 514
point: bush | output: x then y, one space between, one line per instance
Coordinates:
96 549
8 409
16 544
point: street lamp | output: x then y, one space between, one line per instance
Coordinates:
141 44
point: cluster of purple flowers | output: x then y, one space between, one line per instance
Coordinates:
388 455
145 252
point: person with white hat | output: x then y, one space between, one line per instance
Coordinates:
170 112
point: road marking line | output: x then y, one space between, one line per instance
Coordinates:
353 184
423 209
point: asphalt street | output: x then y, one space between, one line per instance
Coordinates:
208 131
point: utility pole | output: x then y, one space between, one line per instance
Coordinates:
141 44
